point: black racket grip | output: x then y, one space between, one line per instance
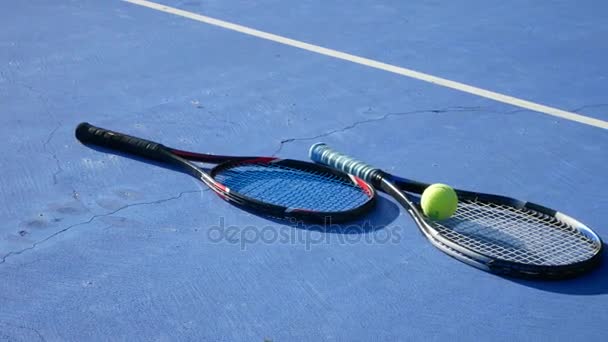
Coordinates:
89 134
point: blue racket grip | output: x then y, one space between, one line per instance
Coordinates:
321 153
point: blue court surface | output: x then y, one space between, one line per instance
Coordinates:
506 97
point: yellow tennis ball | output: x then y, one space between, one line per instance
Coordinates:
439 201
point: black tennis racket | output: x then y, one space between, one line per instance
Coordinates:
493 233
281 188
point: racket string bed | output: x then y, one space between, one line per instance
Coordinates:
292 187
516 235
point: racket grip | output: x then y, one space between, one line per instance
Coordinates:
89 134
321 153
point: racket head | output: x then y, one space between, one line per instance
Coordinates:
293 189
512 237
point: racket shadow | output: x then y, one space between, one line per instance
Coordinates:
592 283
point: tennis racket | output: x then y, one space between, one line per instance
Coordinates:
494 233
280 188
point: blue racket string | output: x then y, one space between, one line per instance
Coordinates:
293 188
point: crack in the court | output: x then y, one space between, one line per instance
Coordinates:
59 169
91 219
377 119
574 110
433 111
598 105
25 328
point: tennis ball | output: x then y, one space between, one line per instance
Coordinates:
439 201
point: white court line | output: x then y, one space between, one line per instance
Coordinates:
379 65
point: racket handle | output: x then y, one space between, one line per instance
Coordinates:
321 153
89 134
